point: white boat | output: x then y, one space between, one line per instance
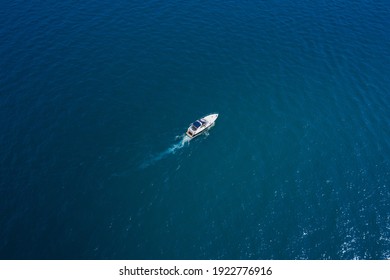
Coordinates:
201 125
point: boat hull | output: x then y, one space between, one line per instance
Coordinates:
207 122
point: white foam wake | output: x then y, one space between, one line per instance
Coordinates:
171 150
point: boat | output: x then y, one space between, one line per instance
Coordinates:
201 125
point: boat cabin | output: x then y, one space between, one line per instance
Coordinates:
195 125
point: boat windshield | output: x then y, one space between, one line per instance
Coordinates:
196 125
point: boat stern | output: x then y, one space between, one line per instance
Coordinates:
190 133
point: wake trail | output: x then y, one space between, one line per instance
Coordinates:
171 150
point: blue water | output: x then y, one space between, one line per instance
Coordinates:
95 97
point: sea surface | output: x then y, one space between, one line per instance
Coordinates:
95 98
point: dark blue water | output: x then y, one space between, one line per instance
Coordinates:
95 97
